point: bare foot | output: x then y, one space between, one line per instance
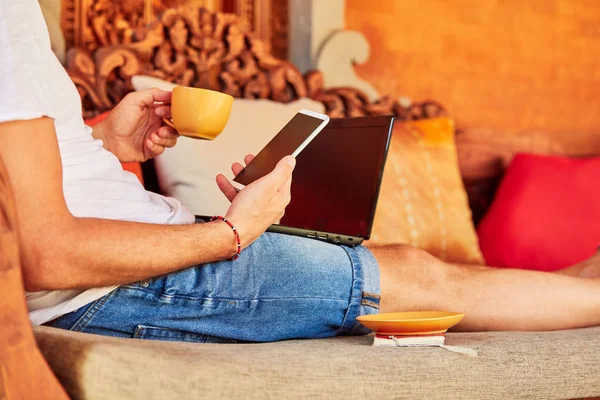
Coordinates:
591 266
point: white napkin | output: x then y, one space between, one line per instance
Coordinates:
420 341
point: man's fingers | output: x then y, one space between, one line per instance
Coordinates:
286 189
281 173
248 159
166 132
226 187
156 149
163 111
149 96
159 95
169 142
236 168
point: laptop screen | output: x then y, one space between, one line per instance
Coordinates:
336 182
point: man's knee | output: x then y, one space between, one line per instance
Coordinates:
411 278
405 255
421 268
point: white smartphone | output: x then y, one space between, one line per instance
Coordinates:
290 140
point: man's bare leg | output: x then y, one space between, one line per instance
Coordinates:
492 299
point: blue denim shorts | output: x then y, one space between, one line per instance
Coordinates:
281 287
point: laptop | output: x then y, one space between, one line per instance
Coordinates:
336 183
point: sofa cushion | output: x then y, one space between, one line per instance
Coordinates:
510 365
546 214
423 200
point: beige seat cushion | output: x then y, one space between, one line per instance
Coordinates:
423 201
551 365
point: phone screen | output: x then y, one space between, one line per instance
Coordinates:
289 138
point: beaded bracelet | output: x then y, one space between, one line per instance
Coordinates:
235 232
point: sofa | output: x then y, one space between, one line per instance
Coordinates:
510 365
543 365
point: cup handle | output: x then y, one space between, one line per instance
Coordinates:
169 122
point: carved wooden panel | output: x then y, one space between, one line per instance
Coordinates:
94 23
90 24
161 5
192 46
279 24
268 20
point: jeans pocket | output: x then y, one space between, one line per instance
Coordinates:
173 335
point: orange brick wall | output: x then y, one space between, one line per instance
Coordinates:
512 66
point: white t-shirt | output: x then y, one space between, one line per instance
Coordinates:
34 84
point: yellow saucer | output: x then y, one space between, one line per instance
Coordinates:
412 323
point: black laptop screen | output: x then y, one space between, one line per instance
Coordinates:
337 177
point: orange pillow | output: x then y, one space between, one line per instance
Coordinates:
133 167
423 200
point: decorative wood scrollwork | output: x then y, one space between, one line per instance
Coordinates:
191 46
91 24
279 24
102 81
350 102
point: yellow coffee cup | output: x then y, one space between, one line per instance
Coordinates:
199 113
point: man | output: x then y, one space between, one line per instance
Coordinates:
102 255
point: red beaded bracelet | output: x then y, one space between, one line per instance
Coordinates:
237 235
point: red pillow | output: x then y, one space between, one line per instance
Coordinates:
133 167
546 214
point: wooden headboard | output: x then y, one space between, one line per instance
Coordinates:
90 24
190 45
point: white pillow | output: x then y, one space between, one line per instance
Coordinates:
188 170
51 9
143 82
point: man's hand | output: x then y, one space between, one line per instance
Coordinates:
134 130
260 204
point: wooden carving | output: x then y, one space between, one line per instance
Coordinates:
191 46
268 20
279 26
91 24
102 81
350 102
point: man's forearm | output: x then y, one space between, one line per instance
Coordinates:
89 252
